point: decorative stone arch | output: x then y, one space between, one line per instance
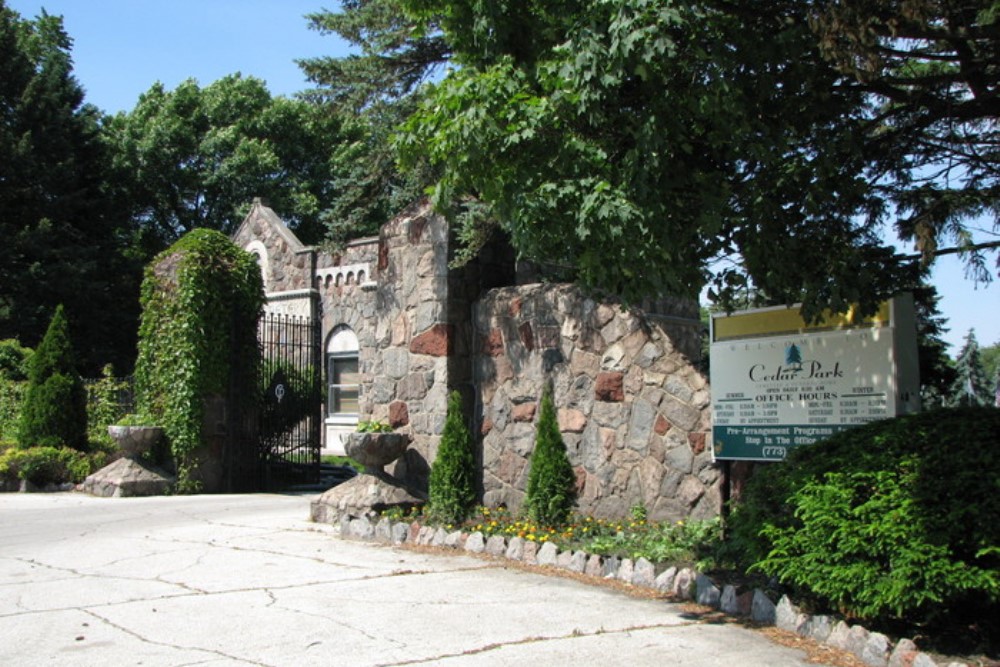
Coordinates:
259 251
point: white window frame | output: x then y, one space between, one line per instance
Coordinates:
341 346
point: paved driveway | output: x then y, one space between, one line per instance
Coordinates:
248 580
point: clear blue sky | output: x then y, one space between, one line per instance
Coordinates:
121 47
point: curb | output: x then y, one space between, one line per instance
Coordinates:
872 648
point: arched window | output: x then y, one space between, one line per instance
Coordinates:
342 374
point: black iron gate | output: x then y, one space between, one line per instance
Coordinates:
287 420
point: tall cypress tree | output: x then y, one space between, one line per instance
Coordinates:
452 483
551 491
55 405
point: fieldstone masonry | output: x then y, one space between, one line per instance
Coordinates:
632 408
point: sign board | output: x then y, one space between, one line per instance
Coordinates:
780 383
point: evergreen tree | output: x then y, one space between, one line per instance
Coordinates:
551 491
55 405
937 372
971 386
61 242
373 91
452 482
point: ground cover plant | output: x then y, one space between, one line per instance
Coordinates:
893 523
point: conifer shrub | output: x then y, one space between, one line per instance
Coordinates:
894 521
453 474
54 412
551 492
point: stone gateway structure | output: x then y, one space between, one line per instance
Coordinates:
400 329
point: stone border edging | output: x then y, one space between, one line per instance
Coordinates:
872 648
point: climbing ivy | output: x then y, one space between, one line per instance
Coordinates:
201 300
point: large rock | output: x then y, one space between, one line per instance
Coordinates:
128 477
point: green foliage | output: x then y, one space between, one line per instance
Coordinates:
931 70
48 465
373 427
11 403
453 474
990 357
372 90
658 135
55 403
15 360
201 301
195 157
689 542
551 492
106 405
891 520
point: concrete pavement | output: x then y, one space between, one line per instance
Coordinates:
248 580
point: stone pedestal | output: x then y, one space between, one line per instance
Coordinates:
374 491
128 477
366 495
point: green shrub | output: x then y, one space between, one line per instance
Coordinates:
47 465
11 402
55 404
551 492
15 360
452 481
201 300
894 520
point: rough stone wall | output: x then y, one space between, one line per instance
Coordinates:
633 410
407 335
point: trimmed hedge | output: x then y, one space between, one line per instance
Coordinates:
892 521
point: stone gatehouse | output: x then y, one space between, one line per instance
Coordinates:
401 329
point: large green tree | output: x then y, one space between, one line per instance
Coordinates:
60 245
195 157
640 142
373 90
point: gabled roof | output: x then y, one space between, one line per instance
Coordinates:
265 214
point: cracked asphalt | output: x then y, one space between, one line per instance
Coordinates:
248 580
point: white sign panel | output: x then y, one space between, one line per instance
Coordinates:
789 391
